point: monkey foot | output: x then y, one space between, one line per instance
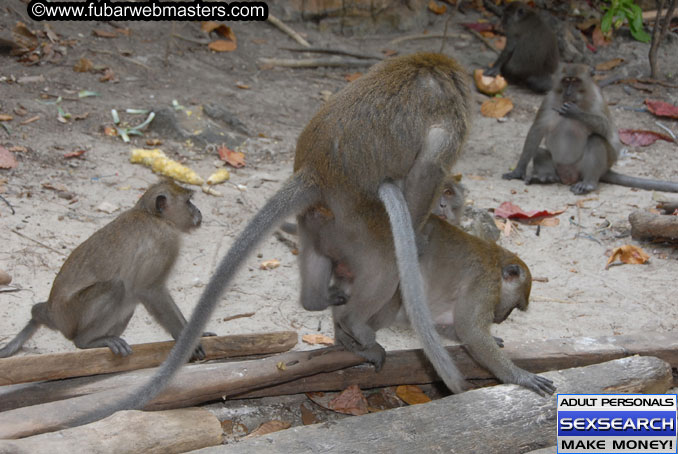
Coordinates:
336 296
513 175
541 385
198 354
582 188
499 341
118 346
208 334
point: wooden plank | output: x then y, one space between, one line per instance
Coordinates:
30 368
129 432
506 418
212 381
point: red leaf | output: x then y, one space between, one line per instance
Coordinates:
479 26
351 401
641 137
7 160
233 158
508 210
662 109
75 154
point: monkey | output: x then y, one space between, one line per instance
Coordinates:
94 295
450 206
374 154
581 140
530 56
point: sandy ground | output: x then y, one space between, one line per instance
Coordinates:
579 298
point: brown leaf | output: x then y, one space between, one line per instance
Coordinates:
353 76
436 8
208 26
662 109
83 65
30 120
269 264
351 401
110 131
496 107
242 86
104 33
547 222
7 160
315 339
389 52
384 399
108 76
267 428
153 142
599 38
75 154
221 45
641 137
308 417
412 394
233 158
628 254
610 64
24 38
5 117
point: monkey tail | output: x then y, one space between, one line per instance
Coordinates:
38 318
613 177
297 194
412 286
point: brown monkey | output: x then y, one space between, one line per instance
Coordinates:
450 204
380 146
580 137
530 56
94 295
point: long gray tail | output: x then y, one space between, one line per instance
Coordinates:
613 177
412 286
292 198
15 344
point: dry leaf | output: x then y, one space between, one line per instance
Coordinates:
242 86
641 137
233 158
389 52
610 64
267 428
153 142
500 42
269 264
280 365
488 84
479 26
104 34
110 131
353 76
508 210
599 38
315 339
7 160
351 401
221 29
30 120
308 417
24 38
412 394
108 75
5 278
5 117
662 109
628 254
208 26
221 45
75 154
83 65
436 8
496 107
547 222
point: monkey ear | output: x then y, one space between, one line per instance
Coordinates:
160 203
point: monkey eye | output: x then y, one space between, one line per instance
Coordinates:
448 192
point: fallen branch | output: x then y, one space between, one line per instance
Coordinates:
314 62
22 369
285 29
323 50
296 372
159 432
501 419
424 36
653 227
485 41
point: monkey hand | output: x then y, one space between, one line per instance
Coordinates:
336 296
569 110
582 187
541 385
515 174
499 341
491 72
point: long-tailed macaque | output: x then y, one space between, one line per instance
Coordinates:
94 295
581 140
530 56
381 145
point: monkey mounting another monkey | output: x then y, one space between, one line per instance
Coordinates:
375 155
581 140
530 56
94 295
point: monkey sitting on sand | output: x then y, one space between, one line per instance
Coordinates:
126 262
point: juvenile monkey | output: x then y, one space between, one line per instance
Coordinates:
581 140
450 204
375 155
94 295
530 56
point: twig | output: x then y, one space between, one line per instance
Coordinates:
122 57
12 208
37 242
665 128
442 41
285 29
233 317
322 50
423 36
202 42
313 62
484 40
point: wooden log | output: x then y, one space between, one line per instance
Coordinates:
157 432
204 382
22 369
503 419
653 227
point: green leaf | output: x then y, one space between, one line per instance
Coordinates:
640 35
606 21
